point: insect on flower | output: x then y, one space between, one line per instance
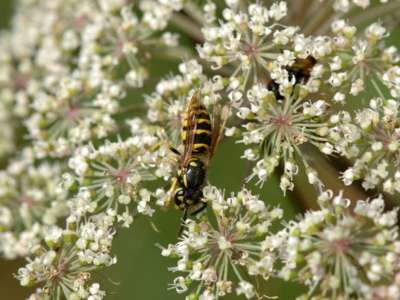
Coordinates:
302 68
200 135
300 71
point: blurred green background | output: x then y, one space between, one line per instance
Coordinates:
141 272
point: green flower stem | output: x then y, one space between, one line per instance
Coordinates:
374 13
188 26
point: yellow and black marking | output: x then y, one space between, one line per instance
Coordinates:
193 175
200 135
202 130
180 198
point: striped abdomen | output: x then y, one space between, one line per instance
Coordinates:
202 132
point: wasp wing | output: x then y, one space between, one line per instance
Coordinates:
189 129
220 116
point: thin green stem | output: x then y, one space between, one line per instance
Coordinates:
188 26
374 13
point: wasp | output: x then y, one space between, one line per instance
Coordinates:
300 70
200 135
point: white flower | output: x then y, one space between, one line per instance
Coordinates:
321 239
243 219
246 288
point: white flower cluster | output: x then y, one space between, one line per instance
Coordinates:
216 253
38 49
339 252
110 177
247 39
392 80
65 67
372 139
119 39
77 113
62 69
63 265
8 134
281 126
347 5
30 203
354 61
389 292
87 141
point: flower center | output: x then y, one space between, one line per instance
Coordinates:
27 200
80 21
72 113
386 144
59 272
339 246
121 176
385 137
20 82
251 50
282 121
119 49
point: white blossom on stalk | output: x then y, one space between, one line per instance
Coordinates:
355 62
74 113
345 6
275 129
339 252
39 48
247 38
216 256
389 292
372 140
8 134
30 202
122 38
110 177
63 266
392 80
83 150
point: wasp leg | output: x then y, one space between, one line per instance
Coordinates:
158 145
165 143
183 221
200 209
171 192
174 150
